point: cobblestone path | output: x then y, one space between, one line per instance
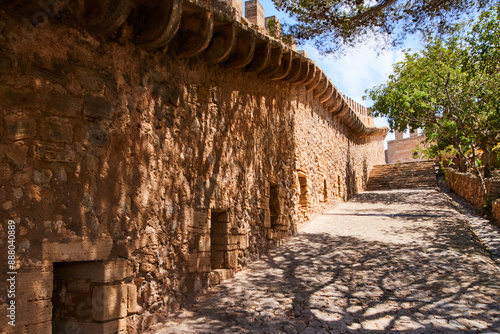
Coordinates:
385 262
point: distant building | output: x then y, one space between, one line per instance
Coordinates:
402 149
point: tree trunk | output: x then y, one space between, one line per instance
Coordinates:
462 165
487 161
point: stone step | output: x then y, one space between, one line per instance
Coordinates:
403 175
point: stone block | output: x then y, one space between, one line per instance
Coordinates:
239 239
54 153
219 239
16 153
266 187
78 285
237 4
34 286
231 259
75 251
131 298
224 247
97 107
52 69
17 128
281 191
33 312
40 328
278 219
17 97
225 217
147 267
199 262
263 203
96 136
95 82
282 224
56 130
203 243
118 326
200 221
109 302
95 271
219 275
217 259
254 12
61 104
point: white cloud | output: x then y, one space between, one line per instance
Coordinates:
360 69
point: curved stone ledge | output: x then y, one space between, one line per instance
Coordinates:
218 33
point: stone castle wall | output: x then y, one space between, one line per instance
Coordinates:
334 163
468 186
138 178
402 149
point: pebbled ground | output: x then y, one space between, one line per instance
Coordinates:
400 261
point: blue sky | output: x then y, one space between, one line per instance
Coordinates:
359 69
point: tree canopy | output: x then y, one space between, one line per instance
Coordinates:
335 24
450 90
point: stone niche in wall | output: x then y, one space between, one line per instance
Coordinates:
92 297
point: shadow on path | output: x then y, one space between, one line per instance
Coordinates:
333 282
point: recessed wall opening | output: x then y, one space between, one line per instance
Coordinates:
89 297
325 191
303 196
219 240
339 190
71 297
274 205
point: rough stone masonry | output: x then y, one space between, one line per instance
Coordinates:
149 149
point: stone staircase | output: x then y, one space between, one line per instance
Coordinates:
421 174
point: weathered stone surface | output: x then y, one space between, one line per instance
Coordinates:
109 302
131 299
96 136
77 250
145 157
15 154
118 326
62 104
54 153
56 130
17 97
18 128
34 286
32 312
96 271
97 107
254 12
402 149
469 186
415 278
199 262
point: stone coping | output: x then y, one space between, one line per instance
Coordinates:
217 33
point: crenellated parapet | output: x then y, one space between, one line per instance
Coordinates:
217 33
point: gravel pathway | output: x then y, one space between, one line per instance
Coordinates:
401 261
